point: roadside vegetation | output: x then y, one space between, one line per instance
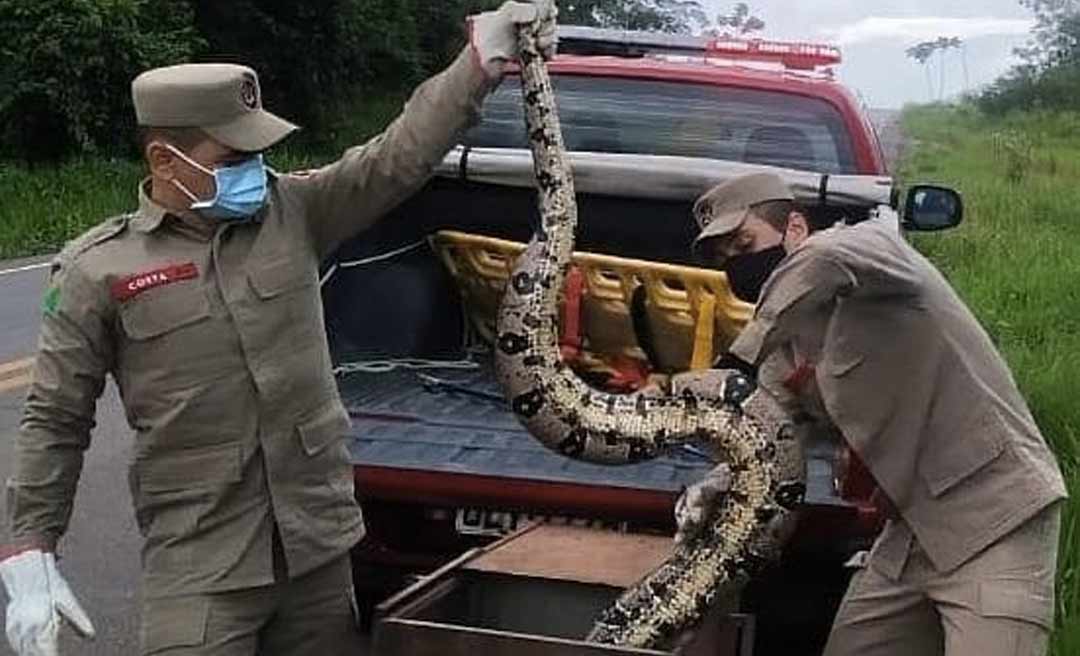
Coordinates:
46 204
1016 261
67 154
1014 152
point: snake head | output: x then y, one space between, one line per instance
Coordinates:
737 389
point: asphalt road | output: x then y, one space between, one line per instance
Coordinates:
101 550
21 286
887 122
100 554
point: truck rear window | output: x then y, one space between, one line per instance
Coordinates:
615 115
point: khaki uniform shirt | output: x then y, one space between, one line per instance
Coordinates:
915 386
214 334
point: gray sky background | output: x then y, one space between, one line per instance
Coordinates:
874 36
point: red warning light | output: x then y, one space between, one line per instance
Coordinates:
792 54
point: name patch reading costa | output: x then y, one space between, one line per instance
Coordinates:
129 287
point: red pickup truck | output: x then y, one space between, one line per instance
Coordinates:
441 464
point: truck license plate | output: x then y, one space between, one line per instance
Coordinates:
496 523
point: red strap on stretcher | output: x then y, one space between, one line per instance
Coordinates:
570 338
854 481
628 374
625 374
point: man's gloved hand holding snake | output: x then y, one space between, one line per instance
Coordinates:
493 34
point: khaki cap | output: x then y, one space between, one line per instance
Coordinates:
722 209
222 99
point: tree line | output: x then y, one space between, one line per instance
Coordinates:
66 65
1048 77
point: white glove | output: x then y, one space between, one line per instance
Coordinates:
706 383
493 34
697 500
39 598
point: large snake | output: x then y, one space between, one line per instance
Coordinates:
742 424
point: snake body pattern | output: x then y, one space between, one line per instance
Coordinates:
743 425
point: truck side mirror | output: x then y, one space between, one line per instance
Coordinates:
930 207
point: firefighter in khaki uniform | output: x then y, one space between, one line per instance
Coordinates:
870 337
205 308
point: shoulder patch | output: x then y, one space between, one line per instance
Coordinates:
51 301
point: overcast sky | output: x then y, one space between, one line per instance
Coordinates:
874 36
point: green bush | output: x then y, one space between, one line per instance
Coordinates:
1056 88
311 53
314 57
1049 77
66 68
443 28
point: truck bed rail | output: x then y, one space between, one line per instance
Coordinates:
662 177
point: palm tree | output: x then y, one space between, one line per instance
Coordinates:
944 44
922 52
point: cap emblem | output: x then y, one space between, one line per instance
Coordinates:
249 92
704 214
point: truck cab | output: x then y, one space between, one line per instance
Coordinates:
441 464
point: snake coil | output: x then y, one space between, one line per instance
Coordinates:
721 409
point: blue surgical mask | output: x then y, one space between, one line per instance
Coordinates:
241 189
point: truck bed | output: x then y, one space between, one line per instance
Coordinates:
399 424
420 458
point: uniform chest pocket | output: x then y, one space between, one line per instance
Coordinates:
274 278
164 310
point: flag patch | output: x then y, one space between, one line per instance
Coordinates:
51 301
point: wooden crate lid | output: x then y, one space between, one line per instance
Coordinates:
580 555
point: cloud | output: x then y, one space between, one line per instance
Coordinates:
877 28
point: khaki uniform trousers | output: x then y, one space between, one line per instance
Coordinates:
1000 603
313 615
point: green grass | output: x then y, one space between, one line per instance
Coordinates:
1016 261
44 206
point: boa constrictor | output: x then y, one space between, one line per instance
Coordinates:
743 425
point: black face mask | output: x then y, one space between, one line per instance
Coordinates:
747 273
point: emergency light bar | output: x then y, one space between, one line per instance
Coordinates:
802 56
579 40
